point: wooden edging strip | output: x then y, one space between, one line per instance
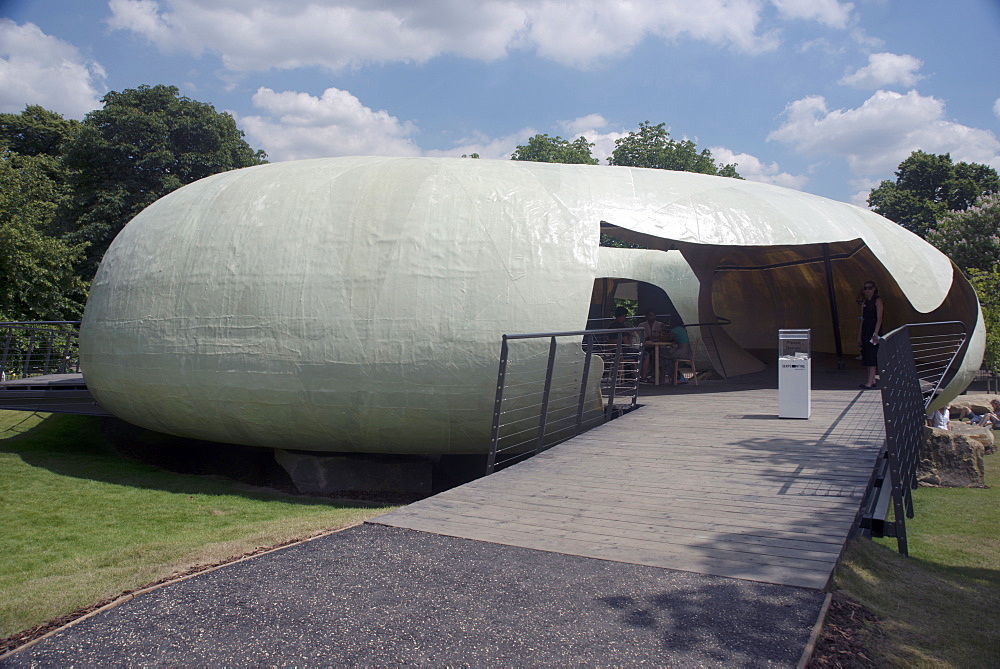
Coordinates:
814 635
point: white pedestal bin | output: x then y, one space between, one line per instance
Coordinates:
794 387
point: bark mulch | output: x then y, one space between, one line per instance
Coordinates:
848 634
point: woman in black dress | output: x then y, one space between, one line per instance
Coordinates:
869 331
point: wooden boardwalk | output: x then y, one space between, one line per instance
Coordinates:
683 484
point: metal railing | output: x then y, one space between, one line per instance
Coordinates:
915 361
709 344
985 373
547 393
37 348
935 348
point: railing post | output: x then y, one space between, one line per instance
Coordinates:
48 353
497 407
898 504
583 384
64 363
543 418
6 350
608 410
27 357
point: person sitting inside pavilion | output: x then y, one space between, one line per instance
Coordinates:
654 331
681 350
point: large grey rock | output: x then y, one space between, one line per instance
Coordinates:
983 435
950 460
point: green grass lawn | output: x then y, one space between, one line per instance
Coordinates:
81 523
940 607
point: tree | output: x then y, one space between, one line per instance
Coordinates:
42 135
928 186
652 146
972 237
39 271
37 131
545 149
987 285
144 143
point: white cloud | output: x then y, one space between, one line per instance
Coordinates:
878 135
36 68
752 168
996 108
592 127
583 125
862 188
493 148
335 34
501 148
828 12
295 125
886 69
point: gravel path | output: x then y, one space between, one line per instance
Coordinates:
376 595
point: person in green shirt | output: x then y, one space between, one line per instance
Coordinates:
681 350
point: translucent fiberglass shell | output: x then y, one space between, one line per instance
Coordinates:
357 304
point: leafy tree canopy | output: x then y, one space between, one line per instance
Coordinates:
652 146
42 135
972 237
545 149
987 285
39 271
37 131
928 186
144 143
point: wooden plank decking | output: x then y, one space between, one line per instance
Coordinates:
708 484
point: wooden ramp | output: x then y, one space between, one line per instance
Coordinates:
52 393
712 484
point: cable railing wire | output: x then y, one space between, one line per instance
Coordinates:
527 420
38 348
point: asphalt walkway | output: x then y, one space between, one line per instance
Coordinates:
382 596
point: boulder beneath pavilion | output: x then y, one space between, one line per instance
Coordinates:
950 459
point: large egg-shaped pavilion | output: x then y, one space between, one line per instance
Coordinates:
357 304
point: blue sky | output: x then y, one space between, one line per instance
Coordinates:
824 96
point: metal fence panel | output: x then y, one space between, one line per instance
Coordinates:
915 361
552 386
38 348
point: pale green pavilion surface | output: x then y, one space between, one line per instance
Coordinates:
357 304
